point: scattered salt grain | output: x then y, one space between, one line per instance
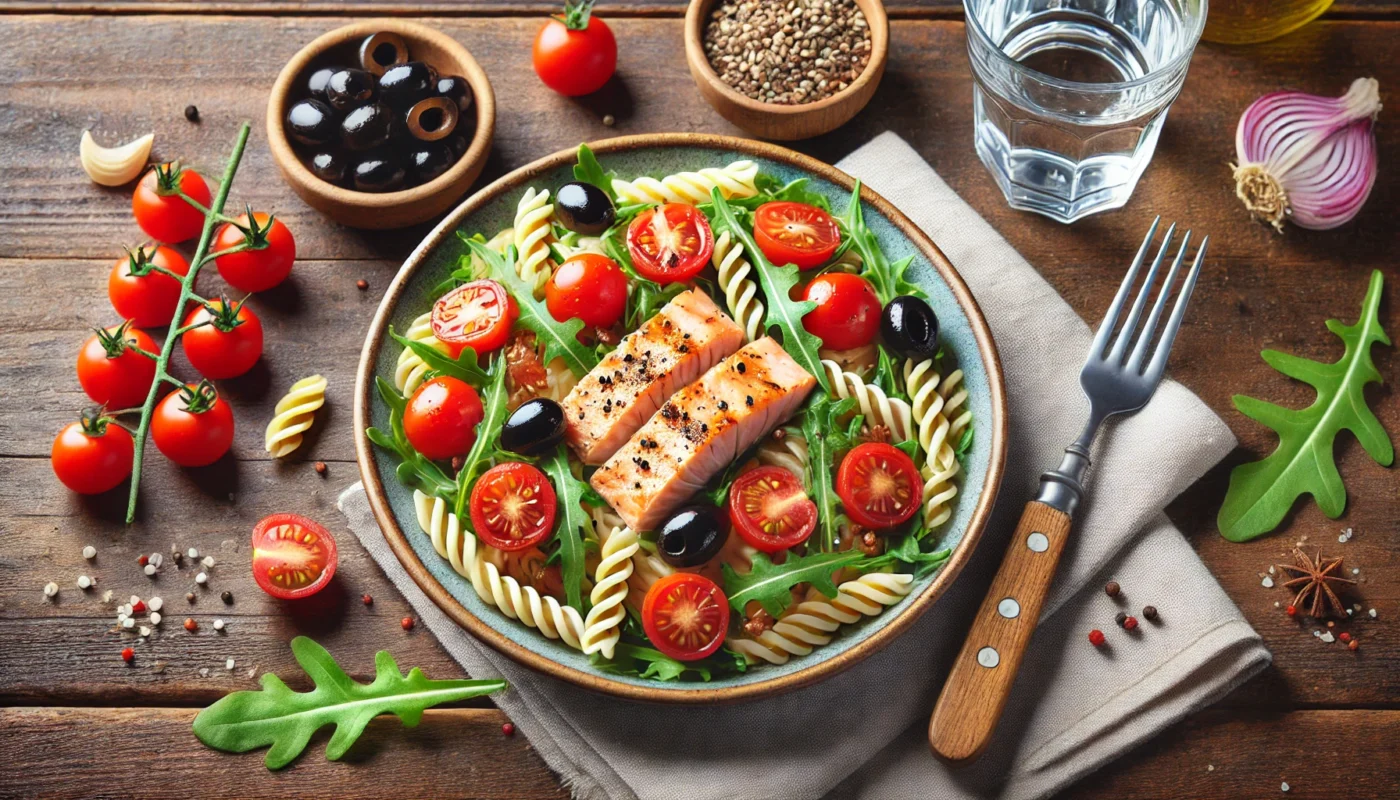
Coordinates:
1328 637
228 665
89 552
1350 612
1276 604
1271 570
155 617
1267 583
84 582
1283 787
1210 768
202 578
208 561
1356 570
107 596
157 559
128 623
1317 633
145 631
203 672
50 589
1372 612
252 672
218 624
155 604
149 569
192 553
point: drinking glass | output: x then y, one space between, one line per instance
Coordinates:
1070 95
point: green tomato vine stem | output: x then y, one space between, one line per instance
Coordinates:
212 216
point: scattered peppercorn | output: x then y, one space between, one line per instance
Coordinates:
1112 589
1149 613
189 596
227 597
143 560
362 284
1130 624
508 728
1096 637
609 120
191 625
321 468
778 434
1291 611
367 600
1354 644
128 655
1121 618
407 623
1344 636
192 113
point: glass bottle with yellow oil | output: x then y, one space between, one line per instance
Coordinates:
1249 21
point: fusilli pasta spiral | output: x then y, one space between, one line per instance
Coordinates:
871 401
811 623
410 370
790 453
740 291
294 414
532 233
734 180
602 627
938 408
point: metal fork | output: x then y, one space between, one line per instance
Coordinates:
1116 381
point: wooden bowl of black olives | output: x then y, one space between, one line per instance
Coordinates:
381 124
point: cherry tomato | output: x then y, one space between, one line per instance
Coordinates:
589 287
771 510
441 417
148 299
879 485
111 372
161 213
513 506
229 345
476 315
293 557
194 426
847 313
671 243
260 268
575 56
686 616
92 456
795 233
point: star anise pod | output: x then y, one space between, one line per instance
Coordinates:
1315 576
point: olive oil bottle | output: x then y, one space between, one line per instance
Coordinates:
1249 21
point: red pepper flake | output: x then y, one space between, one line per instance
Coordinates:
1096 637
1130 623
1344 636
143 560
138 607
362 284
1354 644
508 728
128 655
321 468
1291 611
191 625
367 600
407 623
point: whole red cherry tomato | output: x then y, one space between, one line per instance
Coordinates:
194 426
440 419
161 212
847 313
576 55
93 455
111 372
266 263
228 344
142 294
589 287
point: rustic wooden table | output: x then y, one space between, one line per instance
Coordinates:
77 721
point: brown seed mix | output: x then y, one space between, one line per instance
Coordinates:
788 53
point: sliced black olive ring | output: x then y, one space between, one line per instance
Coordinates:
382 51
432 119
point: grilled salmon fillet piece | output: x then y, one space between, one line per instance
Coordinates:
700 430
687 336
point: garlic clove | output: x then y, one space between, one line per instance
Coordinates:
114 166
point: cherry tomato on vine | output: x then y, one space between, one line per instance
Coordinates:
161 213
686 616
879 485
513 506
795 233
141 294
92 455
113 374
847 313
771 510
266 264
576 55
589 287
440 419
230 342
670 243
194 426
293 557
476 315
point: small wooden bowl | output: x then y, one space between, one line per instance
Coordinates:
782 122
390 209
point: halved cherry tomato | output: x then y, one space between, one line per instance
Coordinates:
771 510
441 417
686 616
263 267
194 426
93 455
847 313
228 345
293 557
476 315
140 293
111 372
513 506
879 485
589 287
795 233
670 243
161 213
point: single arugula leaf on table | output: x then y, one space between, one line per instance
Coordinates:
1262 492
464 367
571 524
414 470
887 278
826 436
485 450
771 584
783 312
286 720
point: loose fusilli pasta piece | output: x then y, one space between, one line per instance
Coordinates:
938 406
740 291
294 414
532 234
410 370
811 624
734 180
871 401
603 626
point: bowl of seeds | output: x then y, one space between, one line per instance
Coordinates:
787 69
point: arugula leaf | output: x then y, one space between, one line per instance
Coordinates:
488 432
906 549
589 170
887 376
414 470
717 492
771 584
647 296
648 662
964 444
826 437
888 279
560 339
783 312
286 720
571 524
1262 492
463 368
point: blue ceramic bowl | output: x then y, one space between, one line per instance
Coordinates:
965 335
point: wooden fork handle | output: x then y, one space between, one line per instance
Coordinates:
972 700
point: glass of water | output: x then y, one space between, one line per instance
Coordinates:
1071 95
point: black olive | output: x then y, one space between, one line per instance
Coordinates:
456 89
311 122
692 536
427 160
367 127
316 84
535 428
349 88
403 85
458 145
584 208
910 328
379 173
381 51
329 166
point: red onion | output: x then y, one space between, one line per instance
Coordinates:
1307 158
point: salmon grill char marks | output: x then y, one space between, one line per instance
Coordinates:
685 338
700 431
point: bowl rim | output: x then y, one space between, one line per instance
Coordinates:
598 682
879 52
286 155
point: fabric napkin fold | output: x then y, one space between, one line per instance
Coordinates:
863 733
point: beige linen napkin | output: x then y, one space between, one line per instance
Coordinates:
863 732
